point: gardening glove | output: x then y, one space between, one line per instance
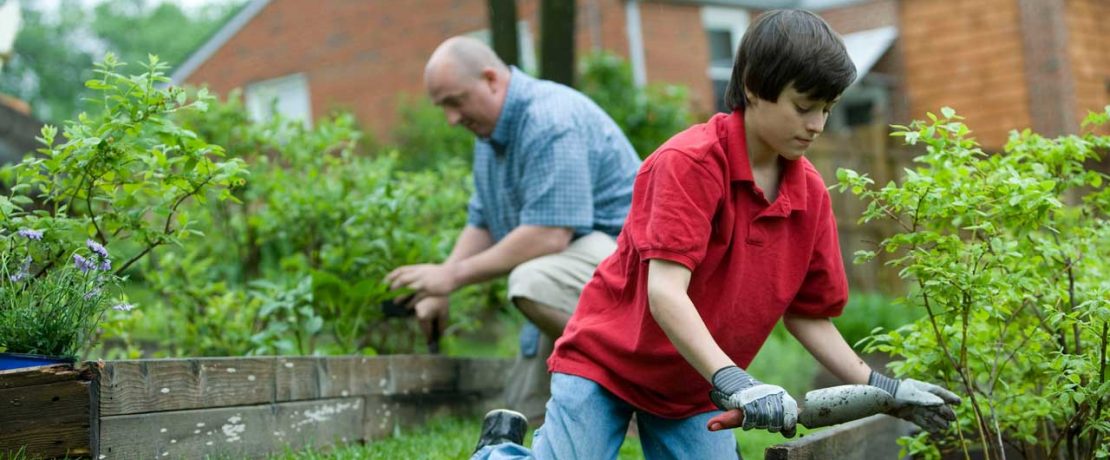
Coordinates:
764 406
924 404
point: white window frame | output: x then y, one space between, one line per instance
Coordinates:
733 20
291 93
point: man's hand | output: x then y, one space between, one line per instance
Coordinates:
767 407
426 279
924 404
430 309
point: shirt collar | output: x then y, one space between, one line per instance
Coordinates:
792 190
510 110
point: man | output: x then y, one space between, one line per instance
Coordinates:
553 182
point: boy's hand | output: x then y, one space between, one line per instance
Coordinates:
767 407
922 403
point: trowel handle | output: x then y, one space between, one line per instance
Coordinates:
727 420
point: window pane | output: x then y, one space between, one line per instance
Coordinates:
720 46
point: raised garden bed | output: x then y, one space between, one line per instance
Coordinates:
236 407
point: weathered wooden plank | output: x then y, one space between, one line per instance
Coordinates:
422 374
13 378
390 415
232 432
298 378
345 376
871 437
138 386
483 375
50 420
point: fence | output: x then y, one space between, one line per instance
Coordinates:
867 149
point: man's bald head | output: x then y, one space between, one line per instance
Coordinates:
469 82
467 57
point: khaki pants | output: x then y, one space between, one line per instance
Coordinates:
555 281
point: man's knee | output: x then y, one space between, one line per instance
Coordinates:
531 280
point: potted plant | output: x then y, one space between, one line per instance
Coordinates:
49 309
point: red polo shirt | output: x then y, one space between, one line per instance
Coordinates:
695 203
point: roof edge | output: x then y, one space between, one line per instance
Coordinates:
232 27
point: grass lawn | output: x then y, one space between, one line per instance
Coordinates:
455 439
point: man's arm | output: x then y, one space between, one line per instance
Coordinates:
821 337
522 244
471 241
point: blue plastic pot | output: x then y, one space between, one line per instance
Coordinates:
9 361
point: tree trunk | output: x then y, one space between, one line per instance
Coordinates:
557 41
503 33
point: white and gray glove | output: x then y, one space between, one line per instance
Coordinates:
924 404
767 407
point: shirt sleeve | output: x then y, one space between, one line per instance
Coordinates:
825 288
474 217
673 205
556 185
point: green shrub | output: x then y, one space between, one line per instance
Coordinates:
871 313
121 179
1007 253
423 139
295 264
648 116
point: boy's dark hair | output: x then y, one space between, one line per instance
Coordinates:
789 46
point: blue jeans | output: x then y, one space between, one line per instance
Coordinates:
586 421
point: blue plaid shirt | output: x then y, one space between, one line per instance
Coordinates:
554 159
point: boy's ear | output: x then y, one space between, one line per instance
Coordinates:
749 97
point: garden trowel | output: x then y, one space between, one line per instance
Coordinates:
824 407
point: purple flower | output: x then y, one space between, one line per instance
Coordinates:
97 248
31 234
24 271
92 293
123 307
83 264
106 265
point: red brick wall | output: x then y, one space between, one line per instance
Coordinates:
1089 54
357 55
676 50
966 54
862 16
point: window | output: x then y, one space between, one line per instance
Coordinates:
723 29
287 96
525 45
864 103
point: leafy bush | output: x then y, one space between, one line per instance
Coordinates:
424 139
648 116
1008 256
120 178
295 264
871 313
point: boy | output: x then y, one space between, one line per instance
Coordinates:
730 230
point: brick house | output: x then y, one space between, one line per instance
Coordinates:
1004 64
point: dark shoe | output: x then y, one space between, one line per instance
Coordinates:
501 426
